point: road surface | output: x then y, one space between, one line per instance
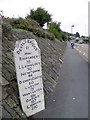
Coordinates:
70 100
83 50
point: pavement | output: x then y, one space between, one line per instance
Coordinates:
70 99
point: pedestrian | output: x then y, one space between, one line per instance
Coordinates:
72 45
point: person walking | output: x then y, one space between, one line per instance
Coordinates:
72 45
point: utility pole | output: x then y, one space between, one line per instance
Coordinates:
72 29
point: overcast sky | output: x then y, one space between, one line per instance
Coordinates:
68 12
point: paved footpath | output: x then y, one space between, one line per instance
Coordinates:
70 100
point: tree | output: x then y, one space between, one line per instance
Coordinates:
54 28
40 15
77 34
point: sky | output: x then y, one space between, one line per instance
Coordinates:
68 12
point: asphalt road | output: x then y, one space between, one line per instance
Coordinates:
70 100
83 50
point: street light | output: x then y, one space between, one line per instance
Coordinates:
72 29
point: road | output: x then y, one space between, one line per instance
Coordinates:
70 100
83 50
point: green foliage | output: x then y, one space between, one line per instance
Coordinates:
41 33
55 29
77 40
6 28
29 25
18 23
40 15
54 25
64 36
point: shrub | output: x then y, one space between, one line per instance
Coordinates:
55 29
18 23
6 28
77 40
32 26
64 36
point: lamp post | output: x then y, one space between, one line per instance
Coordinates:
72 29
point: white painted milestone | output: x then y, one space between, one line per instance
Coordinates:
29 76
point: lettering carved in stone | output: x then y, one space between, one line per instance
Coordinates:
29 76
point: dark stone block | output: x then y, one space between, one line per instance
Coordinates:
5 113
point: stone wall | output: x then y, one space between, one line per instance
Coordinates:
52 59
